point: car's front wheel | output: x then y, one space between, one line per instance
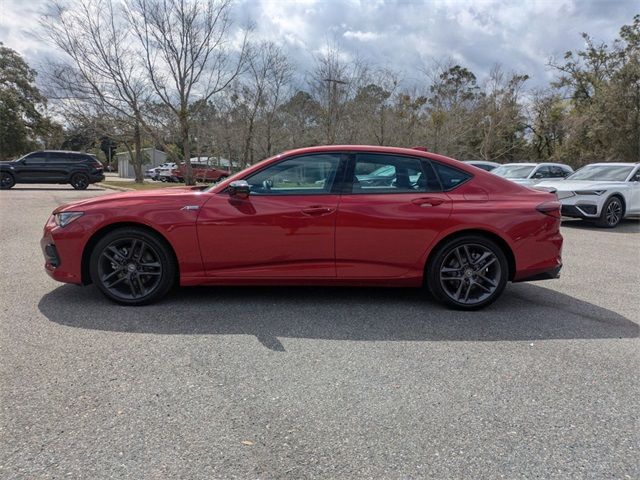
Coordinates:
468 272
132 266
7 181
79 181
611 213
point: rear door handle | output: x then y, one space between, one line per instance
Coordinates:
318 211
428 201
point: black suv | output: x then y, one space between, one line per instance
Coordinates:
52 166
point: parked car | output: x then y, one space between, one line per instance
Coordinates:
603 192
483 164
201 172
462 232
532 173
154 173
52 166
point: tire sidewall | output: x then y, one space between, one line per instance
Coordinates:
166 258
75 176
602 221
435 263
11 184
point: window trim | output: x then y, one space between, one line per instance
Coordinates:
337 179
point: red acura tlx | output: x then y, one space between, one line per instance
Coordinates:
330 215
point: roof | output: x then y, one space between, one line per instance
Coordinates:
615 164
368 148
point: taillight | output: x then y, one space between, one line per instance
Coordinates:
97 164
550 208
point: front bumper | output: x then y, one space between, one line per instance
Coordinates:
62 249
578 206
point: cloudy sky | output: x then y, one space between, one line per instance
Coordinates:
404 35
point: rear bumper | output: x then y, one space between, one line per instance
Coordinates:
544 275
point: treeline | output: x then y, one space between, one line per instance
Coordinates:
175 74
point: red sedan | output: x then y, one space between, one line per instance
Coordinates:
331 215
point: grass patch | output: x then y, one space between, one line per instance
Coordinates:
140 186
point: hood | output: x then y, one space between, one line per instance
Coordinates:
573 185
194 194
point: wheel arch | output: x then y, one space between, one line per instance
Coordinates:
101 232
502 243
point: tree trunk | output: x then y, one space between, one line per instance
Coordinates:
184 127
138 160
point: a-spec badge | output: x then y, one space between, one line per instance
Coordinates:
190 207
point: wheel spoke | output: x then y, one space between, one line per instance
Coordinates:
488 290
468 255
460 262
490 262
122 278
488 280
466 295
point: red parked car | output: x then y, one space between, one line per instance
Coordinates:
202 173
331 215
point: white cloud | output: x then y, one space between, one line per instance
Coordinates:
394 33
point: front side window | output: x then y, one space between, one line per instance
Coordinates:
35 159
380 173
304 175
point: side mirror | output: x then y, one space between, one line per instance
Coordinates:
239 189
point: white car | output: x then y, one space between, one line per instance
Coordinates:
604 192
532 173
483 164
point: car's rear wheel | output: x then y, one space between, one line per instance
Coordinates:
132 266
79 181
468 272
7 181
611 213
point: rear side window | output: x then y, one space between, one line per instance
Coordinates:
59 157
379 173
450 177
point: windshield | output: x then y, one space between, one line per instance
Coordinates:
514 171
609 173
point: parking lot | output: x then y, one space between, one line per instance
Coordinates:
319 382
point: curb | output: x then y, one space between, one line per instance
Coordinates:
111 187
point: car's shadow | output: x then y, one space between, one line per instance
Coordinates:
525 312
625 226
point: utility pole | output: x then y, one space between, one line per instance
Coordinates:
332 107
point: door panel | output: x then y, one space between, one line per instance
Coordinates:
284 229
33 168
268 236
385 225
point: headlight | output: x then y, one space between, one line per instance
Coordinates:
65 218
563 195
590 192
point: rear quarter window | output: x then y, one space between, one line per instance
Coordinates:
450 177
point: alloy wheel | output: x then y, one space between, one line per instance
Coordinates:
470 274
613 213
130 268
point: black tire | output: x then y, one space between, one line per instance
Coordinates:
163 179
471 264
79 181
153 272
611 214
7 181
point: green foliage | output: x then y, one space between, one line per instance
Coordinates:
22 125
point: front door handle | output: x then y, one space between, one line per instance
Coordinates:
428 201
317 211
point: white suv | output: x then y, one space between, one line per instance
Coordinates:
604 192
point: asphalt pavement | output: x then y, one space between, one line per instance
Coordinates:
328 383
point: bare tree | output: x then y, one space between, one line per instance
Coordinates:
186 52
101 73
